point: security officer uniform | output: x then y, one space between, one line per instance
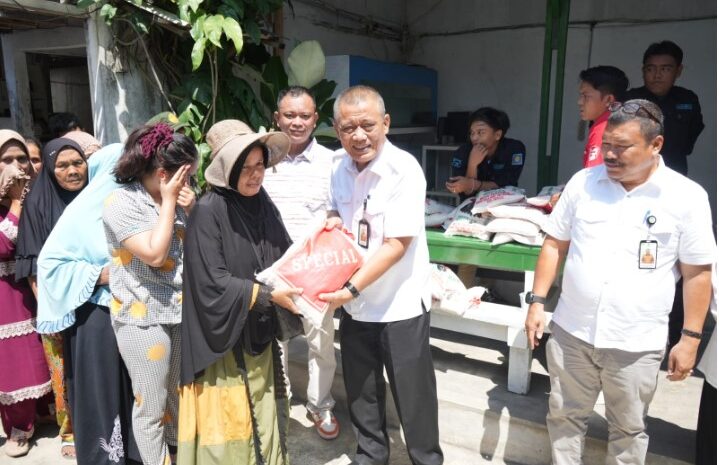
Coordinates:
682 123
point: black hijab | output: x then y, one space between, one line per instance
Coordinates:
230 237
42 208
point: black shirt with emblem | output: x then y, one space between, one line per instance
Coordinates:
503 168
683 123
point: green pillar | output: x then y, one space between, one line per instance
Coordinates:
555 38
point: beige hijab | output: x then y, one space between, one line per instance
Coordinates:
10 174
87 142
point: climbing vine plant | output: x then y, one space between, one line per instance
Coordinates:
211 59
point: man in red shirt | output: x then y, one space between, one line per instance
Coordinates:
598 88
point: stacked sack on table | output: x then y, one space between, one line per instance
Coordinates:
449 294
435 213
504 215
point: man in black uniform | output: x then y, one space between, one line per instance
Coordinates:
682 114
682 125
490 160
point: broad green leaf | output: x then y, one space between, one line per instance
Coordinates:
236 5
306 64
137 2
227 12
108 12
198 53
233 32
194 4
140 23
213 29
323 90
275 76
198 26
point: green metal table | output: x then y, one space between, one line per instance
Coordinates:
469 251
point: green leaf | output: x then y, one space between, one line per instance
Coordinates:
137 2
323 90
198 53
306 64
237 6
198 26
213 29
194 4
108 12
140 23
253 30
274 74
233 32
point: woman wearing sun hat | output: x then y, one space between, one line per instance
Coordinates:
233 401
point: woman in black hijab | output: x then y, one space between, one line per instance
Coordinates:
55 187
233 401
64 176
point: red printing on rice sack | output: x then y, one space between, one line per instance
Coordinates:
323 263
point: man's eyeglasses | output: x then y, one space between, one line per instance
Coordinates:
632 108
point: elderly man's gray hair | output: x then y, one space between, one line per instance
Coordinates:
356 94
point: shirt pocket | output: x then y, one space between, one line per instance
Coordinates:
592 222
374 215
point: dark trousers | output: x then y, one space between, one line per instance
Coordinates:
707 427
402 347
99 391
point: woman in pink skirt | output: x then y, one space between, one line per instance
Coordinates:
24 376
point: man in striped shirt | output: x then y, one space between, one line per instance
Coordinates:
299 186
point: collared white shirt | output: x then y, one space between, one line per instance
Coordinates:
299 186
394 186
606 300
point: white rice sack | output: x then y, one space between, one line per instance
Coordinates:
501 196
544 199
444 281
435 219
476 228
463 210
431 207
458 303
504 238
522 211
513 225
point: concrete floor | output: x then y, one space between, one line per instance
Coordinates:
480 421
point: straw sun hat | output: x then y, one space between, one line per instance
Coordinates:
229 138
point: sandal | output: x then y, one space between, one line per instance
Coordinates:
18 444
67 450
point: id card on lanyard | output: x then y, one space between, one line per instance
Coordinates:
648 248
363 228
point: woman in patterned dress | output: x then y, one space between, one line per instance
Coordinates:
24 376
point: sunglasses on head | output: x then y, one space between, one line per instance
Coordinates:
632 108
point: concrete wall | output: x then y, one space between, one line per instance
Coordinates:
311 22
503 68
122 99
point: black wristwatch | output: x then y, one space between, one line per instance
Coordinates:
690 333
531 297
353 290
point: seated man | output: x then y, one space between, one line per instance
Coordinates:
490 160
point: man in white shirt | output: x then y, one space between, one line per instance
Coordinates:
377 192
299 186
629 229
